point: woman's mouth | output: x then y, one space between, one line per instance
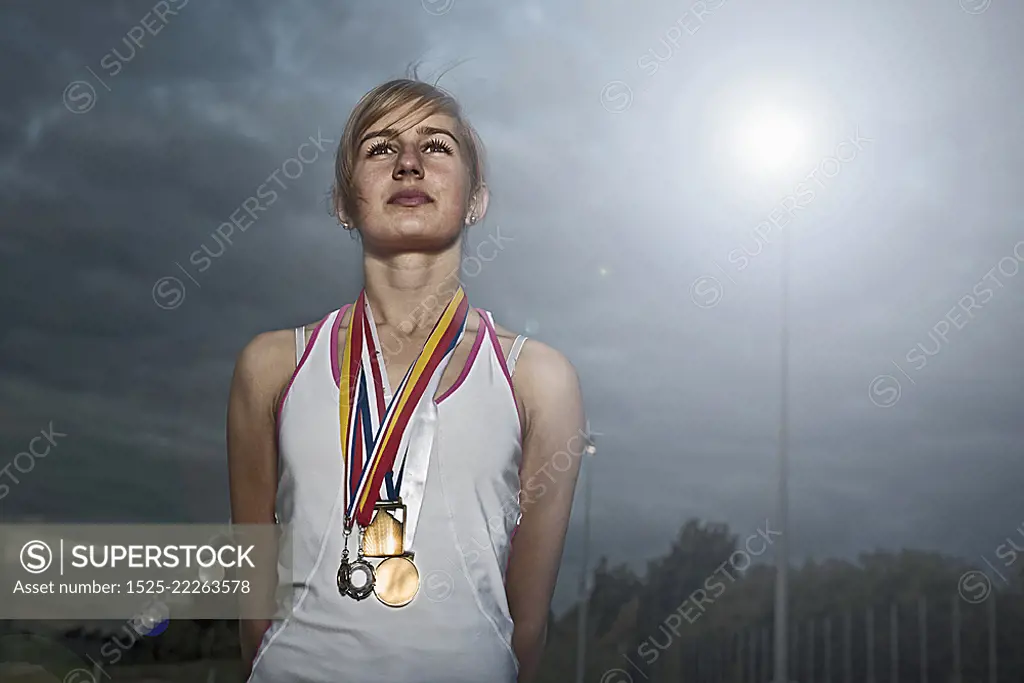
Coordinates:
410 198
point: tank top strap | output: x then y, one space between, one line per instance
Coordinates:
517 345
513 353
300 344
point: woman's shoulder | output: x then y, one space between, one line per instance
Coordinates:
262 371
540 369
261 353
547 386
537 349
541 360
534 353
280 342
268 359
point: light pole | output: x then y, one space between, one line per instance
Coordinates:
776 140
782 501
584 587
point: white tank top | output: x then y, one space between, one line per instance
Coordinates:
458 628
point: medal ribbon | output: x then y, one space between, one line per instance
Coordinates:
373 431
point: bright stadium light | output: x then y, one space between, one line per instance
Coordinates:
764 136
769 139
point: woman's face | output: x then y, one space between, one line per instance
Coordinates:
412 191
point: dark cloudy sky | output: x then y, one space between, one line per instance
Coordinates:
632 244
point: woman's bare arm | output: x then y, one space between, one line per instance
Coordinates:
553 441
261 372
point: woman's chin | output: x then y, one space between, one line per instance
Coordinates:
410 235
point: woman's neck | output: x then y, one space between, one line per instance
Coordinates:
409 291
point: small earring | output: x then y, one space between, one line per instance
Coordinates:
472 219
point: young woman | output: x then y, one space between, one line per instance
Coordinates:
405 438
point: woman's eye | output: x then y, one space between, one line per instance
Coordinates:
378 148
436 145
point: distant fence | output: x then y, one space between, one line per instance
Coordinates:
950 641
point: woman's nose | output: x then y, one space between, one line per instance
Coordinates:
408 162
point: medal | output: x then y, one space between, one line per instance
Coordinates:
375 447
344 569
355 579
385 536
398 581
360 579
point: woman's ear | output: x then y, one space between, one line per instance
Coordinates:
343 218
478 204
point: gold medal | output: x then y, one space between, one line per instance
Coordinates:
385 535
397 581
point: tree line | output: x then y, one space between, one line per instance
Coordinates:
703 612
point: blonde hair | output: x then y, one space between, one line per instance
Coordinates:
426 100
